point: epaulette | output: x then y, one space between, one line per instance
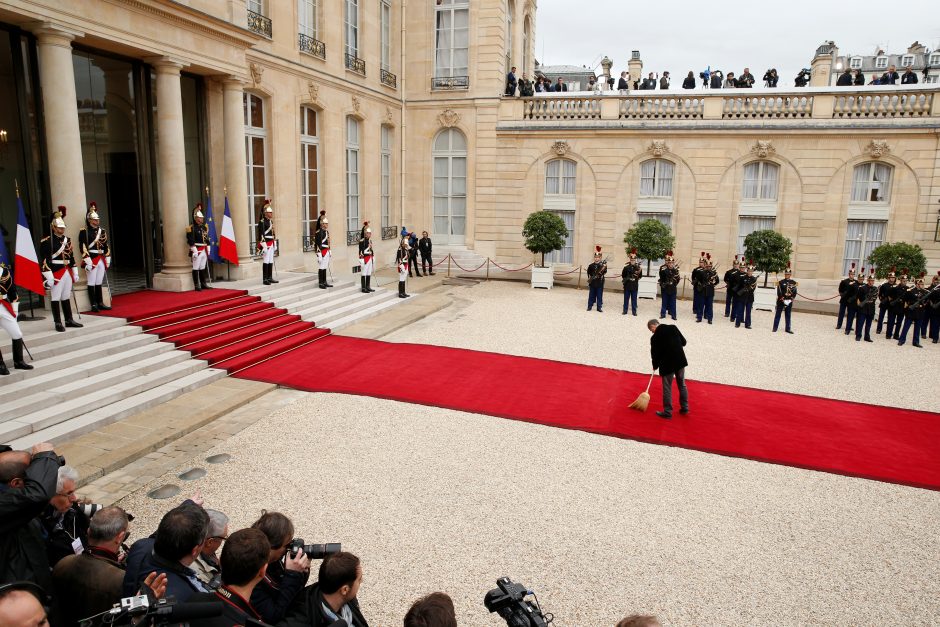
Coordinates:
189 229
795 282
44 239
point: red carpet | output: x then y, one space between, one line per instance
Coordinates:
146 303
883 443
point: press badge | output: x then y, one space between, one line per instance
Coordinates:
77 547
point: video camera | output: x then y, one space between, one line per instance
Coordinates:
137 609
313 551
509 601
802 79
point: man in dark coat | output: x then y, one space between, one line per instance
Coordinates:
333 597
845 79
908 78
669 358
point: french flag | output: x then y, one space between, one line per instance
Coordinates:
227 248
27 274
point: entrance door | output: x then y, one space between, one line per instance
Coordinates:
450 188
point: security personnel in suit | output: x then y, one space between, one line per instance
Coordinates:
896 314
847 289
197 236
708 296
744 298
366 260
596 272
698 287
9 309
267 243
730 278
915 305
884 302
668 285
322 241
58 268
631 282
786 294
865 306
95 249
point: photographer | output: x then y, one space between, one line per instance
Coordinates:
715 80
730 81
802 79
845 79
771 78
434 610
206 565
746 79
27 484
21 605
333 597
286 575
65 521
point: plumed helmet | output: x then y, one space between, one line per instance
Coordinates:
368 231
197 211
92 213
58 216
266 207
633 253
669 256
597 251
852 269
891 274
324 221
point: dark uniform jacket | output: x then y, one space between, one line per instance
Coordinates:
865 299
666 349
22 550
897 298
365 248
745 288
197 235
884 293
87 584
698 280
322 241
309 613
49 255
731 278
266 231
278 593
401 257
786 290
93 243
915 303
596 272
847 289
631 276
710 280
8 290
61 531
668 279
235 609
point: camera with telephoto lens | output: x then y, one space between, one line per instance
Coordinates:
509 602
313 551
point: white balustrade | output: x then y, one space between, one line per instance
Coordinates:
661 107
562 108
883 105
767 106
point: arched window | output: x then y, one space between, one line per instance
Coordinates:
256 137
760 181
450 186
352 174
526 28
560 199
309 174
656 178
510 9
871 182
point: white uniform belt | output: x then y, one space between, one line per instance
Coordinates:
94 250
59 261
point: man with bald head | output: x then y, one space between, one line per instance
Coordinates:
20 607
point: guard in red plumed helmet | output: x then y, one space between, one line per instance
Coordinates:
865 300
915 308
847 289
630 275
786 294
58 268
886 292
697 278
744 296
668 286
197 236
731 279
596 272
267 242
95 249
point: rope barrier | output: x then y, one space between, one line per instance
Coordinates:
817 300
464 269
510 269
578 269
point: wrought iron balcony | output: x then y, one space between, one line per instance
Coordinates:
355 64
259 24
311 46
352 237
389 232
450 82
389 79
309 243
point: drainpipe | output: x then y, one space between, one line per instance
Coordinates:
401 86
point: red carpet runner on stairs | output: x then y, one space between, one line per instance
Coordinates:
883 443
227 328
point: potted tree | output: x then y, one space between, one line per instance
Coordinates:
900 256
768 251
652 239
544 232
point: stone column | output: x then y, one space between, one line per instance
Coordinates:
171 178
635 67
235 176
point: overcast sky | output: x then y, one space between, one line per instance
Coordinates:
729 35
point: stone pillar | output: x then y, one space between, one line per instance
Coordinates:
171 178
236 179
635 67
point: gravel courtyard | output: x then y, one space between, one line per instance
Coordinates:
434 499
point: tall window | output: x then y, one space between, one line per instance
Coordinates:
881 62
871 182
861 237
256 6
386 186
760 181
452 38
309 173
450 184
352 174
526 25
560 199
385 29
256 135
855 63
935 59
656 178
307 18
351 18
510 9
907 60
749 224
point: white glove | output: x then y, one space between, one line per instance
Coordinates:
275 245
16 309
192 251
107 262
88 266
75 274
50 280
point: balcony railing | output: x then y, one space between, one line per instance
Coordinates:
309 243
389 79
311 46
259 24
352 237
389 232
355 64
450 82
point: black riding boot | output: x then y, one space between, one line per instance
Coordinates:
93 298
57 317
204 279
321 276
196 280
369 283
18 361
101 306
362 285
67 314
3 367
265 275
401 290
271 274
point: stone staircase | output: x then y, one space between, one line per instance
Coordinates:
461 257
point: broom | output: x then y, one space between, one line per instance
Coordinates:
643 400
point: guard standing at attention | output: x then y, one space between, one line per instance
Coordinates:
786 294
896 314
402 256
668 285
884 302
95 249
744 298
631 282
730 278
197 236
915 303
865 305
933 307
267 242
847 289
322 241
366 260
596 272
697 279
710 277
58 268
9 309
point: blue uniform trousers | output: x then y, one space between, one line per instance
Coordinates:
629 299
742 313
786 310
668 305
596 293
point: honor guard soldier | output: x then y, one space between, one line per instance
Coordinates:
668 285
709 280
631 282
731 276
915 302
402 255
897 307
786 294
847 289
865 306
596 272
95 248
267 242
925 301
197 236
933 307
744 297
366 260
320 219
322 241
58 268
9 309
884 302
697 279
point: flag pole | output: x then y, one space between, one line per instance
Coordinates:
32 314
209 257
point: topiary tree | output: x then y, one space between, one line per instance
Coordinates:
651 238
900 255
544 232
768 250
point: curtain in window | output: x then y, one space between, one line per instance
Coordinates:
874 237
254 5
568 177
656 178
751 178
647 178
749 224
444 42
552 176
768 184
664 173
881 180
307 13
853 244
871 182
566 254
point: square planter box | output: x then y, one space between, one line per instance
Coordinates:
647 287
765 299
543 277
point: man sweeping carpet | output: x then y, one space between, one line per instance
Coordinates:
668 356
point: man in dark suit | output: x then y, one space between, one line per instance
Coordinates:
669 358
623 83
511 82
560 85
